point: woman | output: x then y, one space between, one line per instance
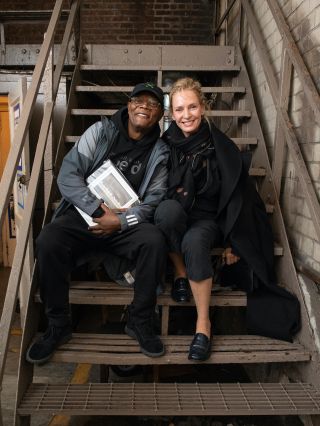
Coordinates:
211 202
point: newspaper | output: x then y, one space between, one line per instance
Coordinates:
109 184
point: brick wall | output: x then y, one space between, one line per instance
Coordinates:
303 17
126 21
31 32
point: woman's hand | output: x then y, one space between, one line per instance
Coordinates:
107 224
228 257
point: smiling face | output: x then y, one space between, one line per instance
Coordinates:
187 111
143 114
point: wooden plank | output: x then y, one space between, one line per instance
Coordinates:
238 141
122 296
245 141
309 88
64 46
279 140
166 89
292 142
216 68
20 134
108 112
122 350
257 171
17 264
223 17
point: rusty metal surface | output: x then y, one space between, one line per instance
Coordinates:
177 399
165 57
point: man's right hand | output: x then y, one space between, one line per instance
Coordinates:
107 224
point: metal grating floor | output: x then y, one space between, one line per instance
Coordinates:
157 399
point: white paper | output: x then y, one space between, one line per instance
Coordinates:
109 185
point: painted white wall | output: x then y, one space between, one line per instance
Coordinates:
303 17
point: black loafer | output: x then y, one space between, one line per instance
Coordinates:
180 291
200 348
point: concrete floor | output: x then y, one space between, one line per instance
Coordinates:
61 373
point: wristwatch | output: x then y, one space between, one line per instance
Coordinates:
98 212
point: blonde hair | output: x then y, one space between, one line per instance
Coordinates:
188 83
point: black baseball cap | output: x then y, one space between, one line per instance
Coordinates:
148 87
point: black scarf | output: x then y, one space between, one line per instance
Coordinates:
120 119
131 156
190 171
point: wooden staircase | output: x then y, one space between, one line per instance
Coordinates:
100 88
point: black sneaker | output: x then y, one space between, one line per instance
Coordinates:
150 343
42 350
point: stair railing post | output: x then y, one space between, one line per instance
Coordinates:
279 140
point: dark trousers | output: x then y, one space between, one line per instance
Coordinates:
193 238
62 242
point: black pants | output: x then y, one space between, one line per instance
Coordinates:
193 238
62 242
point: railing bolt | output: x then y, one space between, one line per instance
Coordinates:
24 51
37 51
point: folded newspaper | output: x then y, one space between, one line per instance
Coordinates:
110 185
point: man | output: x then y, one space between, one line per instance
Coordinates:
130 139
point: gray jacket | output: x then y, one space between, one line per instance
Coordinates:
88 154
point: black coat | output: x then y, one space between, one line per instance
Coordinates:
271 310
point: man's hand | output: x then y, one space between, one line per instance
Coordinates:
106 224
228 257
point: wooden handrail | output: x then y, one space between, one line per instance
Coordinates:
23 125
224 17
14 155
292 142
64 47
17 264
309 87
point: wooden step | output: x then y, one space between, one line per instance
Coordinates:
269 207
109 112
128 89
109 293
238 141
120 349
171 399
257 171
162 67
